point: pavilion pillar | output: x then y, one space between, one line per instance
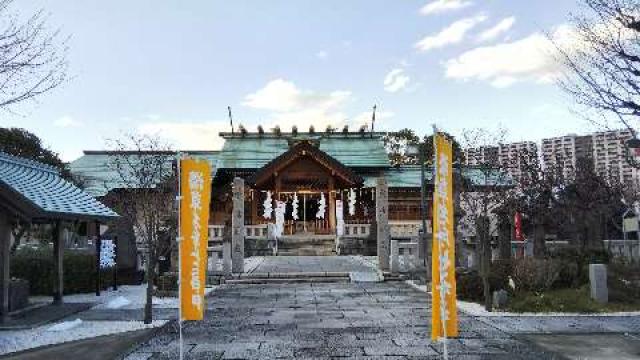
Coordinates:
5 249
382 223
237 226
331 198
58 272
254 207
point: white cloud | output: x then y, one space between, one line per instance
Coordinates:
501 27
67 122
364 118
440 6
322 54
289 105
196 135
396 80
532 58
282 96
452 34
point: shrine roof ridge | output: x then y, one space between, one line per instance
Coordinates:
301 135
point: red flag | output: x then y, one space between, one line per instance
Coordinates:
518 225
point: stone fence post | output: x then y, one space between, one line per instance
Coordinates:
395 257
237 226
382 222
598 282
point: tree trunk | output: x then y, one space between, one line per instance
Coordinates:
148 307
539 246
504 239
484 240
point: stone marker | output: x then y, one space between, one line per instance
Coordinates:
598 281
237 226
500 299
382 222
226 256
395 257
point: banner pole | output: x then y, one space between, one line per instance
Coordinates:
443 302
178 237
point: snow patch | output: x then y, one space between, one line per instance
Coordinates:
118 302
65 325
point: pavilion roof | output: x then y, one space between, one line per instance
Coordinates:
37 191
253 150
96 168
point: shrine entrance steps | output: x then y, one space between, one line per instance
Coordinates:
290 278
307 244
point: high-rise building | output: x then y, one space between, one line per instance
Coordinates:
606 149
511 156
514 156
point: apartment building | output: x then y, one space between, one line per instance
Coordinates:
509 155
605 148
514 156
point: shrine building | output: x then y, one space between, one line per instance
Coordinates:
324 183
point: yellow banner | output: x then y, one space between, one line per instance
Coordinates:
444 315
195 191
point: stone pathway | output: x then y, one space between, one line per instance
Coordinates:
304 321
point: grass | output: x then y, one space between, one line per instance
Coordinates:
566 300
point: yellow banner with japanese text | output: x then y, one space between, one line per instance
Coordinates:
195 191
444 316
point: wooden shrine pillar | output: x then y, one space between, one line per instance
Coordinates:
255 198
58 272
331 199
5 279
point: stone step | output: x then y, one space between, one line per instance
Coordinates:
286 278
288 281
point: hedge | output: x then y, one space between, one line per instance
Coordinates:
36 266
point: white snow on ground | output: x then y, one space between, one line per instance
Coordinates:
475 309
65 325
12 341
134 294
118 302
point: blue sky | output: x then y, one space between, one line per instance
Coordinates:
172 67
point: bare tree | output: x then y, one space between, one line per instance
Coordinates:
602 60
536 197
483 195
146 195
33 58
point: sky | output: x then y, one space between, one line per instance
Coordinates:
171 68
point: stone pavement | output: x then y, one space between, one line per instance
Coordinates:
574 325
304 321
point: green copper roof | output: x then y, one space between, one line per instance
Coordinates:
95 169
43 193
409 176
253 151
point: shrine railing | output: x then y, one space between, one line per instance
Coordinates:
406 228
255 231
357 230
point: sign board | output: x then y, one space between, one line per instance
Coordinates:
195 191
631 224
444 317
339 218
107 254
